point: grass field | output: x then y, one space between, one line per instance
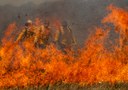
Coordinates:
60 86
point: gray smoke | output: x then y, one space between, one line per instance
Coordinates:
82 15
21 2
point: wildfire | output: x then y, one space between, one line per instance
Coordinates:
23 65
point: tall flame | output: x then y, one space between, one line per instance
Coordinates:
23 65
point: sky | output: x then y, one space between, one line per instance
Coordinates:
21 2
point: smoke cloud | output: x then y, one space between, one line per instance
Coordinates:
82 15
22 2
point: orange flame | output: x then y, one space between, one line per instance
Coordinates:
23 65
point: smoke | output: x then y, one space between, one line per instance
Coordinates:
82 15
21 2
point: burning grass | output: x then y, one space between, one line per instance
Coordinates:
23 65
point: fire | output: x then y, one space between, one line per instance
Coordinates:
119 19
23 65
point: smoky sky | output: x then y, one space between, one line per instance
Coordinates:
82 15
21 2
